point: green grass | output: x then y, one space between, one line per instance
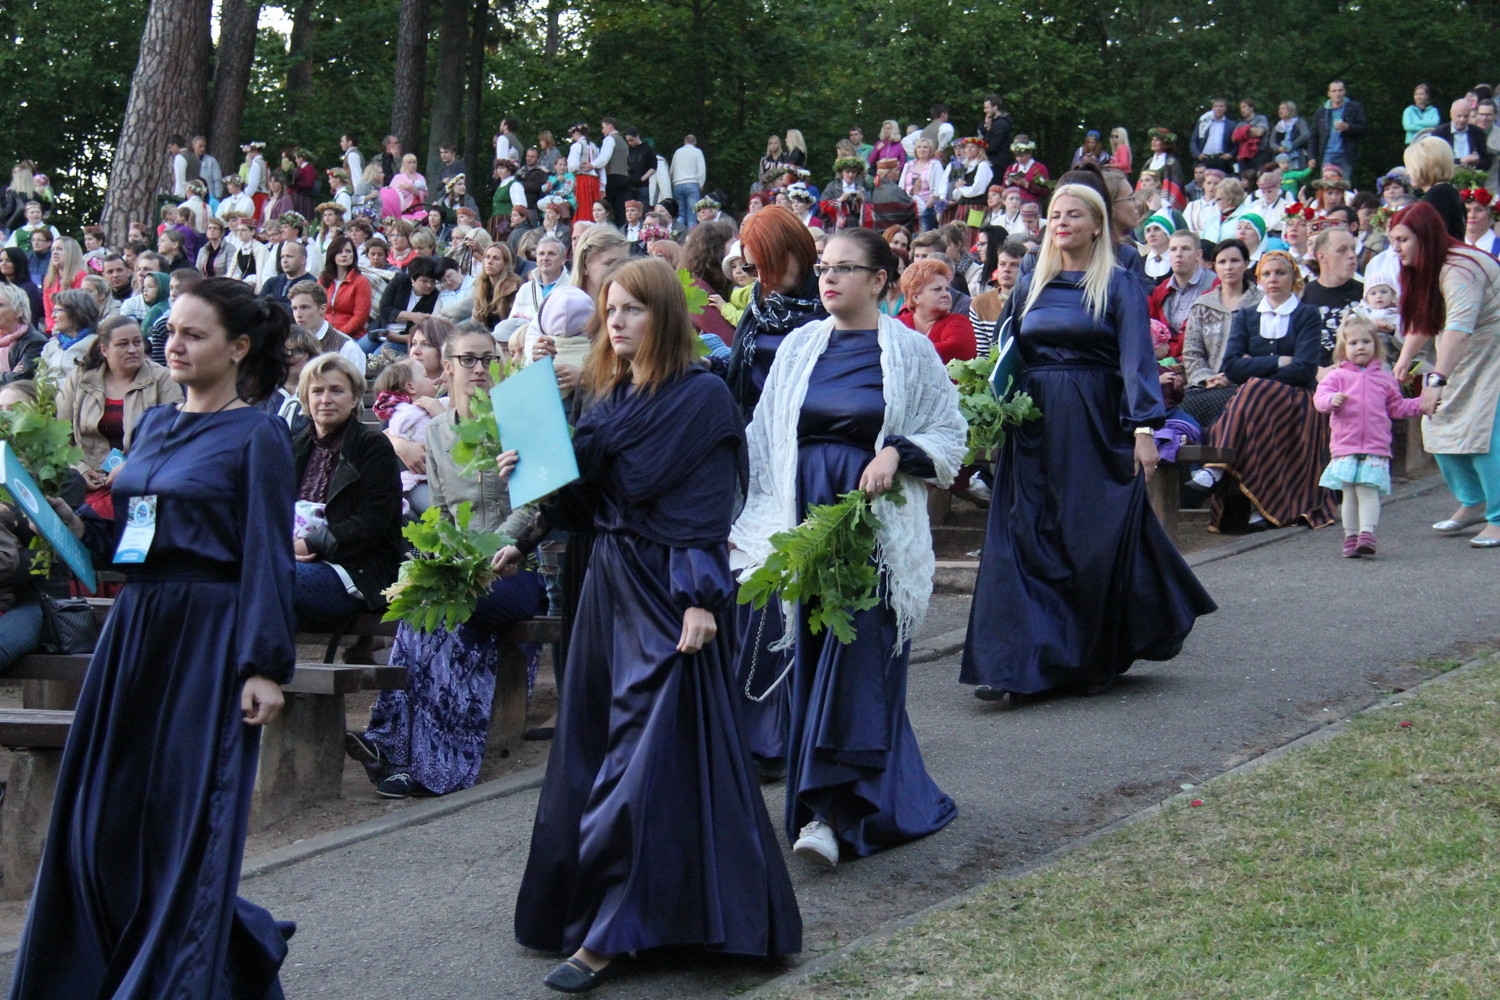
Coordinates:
1364 867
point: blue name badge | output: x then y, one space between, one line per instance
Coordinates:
140 529
112 461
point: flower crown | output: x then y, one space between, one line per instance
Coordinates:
706 202
1164 134
848 163
1480 196
1023 147
651 232
974 140
1382 218
799 192
1297 209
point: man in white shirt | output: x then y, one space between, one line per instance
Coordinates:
1212 144
354 160
310 311
939 132
689 174
177 150
507 143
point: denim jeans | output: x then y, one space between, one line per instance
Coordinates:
687 196
20 633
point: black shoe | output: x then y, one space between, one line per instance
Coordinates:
359 748
402 786
573 976
1000 698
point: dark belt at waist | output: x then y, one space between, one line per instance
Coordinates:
200 573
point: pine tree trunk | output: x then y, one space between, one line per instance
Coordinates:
476 154
237 22
169 83
299 65
554 12
448 85
411 73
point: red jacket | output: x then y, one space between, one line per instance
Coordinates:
953 335
349 306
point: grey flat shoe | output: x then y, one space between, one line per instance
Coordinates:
1451 527
1485 543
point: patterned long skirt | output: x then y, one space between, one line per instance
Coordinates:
1281 448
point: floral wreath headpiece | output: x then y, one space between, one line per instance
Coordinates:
848 163
1297 209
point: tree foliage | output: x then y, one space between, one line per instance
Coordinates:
733 72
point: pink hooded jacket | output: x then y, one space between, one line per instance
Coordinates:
1362 426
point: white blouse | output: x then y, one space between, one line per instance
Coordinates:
1274 320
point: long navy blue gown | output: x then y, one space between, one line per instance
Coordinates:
852 758
136 896
650 829
1077 579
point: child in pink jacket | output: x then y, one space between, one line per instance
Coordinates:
1362 398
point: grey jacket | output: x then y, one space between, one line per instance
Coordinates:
491 500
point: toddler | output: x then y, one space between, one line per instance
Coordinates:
1379 307
1362 398
739 299
406 399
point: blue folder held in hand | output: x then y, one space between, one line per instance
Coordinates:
28 497
529 412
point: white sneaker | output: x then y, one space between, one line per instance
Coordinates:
816 843
1207 478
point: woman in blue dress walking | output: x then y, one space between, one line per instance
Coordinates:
136 895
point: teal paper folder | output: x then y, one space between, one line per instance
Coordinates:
529 412
1007 365
28 496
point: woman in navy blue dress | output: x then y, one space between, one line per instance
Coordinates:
650 830
136 896
856 401
779 250
1077 579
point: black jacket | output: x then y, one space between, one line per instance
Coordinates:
996 136
395 297
1478 143
639 160
20 360
363 508
1322 128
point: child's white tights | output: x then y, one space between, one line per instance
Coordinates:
1361 509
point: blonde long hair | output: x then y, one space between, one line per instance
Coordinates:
1101 260
65 263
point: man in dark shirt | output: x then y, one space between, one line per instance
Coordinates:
293 270
409 296
1336 288
640 165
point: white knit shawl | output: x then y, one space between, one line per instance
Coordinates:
921 405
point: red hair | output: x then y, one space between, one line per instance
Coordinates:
1422 304
776 239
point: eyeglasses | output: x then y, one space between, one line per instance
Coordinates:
470 360
749 268
295 352
842 270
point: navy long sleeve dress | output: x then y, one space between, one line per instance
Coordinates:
136 895
650 829
852 758
1077 578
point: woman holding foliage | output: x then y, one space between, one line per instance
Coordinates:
857 401
430 738
1077 579
649 796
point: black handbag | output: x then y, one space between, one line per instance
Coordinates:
68 625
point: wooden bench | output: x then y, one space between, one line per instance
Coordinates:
36 739
1166 487
301 751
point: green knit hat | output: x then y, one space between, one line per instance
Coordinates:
1162 221
1256 221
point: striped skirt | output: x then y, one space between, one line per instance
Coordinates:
1281 448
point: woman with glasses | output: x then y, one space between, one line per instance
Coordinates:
854 401
430 738
301 347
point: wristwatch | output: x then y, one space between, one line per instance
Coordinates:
1435 380
1144 430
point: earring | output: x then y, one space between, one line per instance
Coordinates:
234 361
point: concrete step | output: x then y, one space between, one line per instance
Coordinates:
956 541
955 576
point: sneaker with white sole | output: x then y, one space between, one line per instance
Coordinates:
816 843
